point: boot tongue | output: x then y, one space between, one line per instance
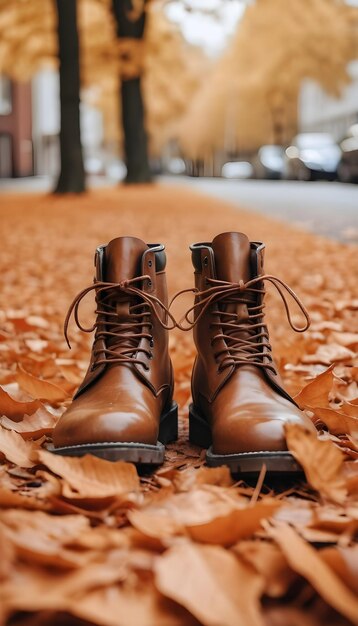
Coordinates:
232 257
123 258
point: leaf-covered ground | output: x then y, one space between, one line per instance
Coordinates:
87 541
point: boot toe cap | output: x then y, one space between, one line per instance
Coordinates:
83 426
248 429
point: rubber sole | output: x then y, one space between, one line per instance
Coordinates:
132 452
278 463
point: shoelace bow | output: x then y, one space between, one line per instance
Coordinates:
250 348
120 334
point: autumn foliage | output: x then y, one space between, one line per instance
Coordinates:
89 541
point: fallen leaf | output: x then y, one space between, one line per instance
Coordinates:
14 409
322 462
211 583
344 561
40 423
15 449
237 524
36 345
307 562
337 422
268 560
191 477
40 389
329 353
346 339
316 392
130 606
92 477
41 538
13 499
349 408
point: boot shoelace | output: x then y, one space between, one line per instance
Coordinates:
254 345
121 338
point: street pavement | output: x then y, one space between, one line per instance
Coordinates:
325 208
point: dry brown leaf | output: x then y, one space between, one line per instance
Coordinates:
344 561
211 583
40 423
282 615
350 408
7 557
237 524
346 339
334 519
15 449
40 389
322 462
316 392
41 538
338 423
13 499
36 345
206 514
307 562
192 477
268 561
329 353
14 409
351 475
130 606
91 477
54 589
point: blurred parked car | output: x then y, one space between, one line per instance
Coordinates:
269 162
312 156
237 169
348 165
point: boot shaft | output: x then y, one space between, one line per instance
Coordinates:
229 327
132 301
230 259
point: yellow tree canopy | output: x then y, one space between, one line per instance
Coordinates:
28 38
172 69
257 80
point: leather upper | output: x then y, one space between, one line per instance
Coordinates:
129 382
236 386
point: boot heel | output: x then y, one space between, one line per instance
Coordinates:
168 429
199 429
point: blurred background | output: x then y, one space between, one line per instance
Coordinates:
252 101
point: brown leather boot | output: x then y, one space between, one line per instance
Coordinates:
239 406
124 408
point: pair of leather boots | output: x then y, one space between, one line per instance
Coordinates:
124 408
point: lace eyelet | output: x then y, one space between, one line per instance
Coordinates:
150 263
205 261
150 356
150 283
151 343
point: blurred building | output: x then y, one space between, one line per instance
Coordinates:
30 124
323 113
16 154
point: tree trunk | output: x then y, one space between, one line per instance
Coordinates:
135 137
72 175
